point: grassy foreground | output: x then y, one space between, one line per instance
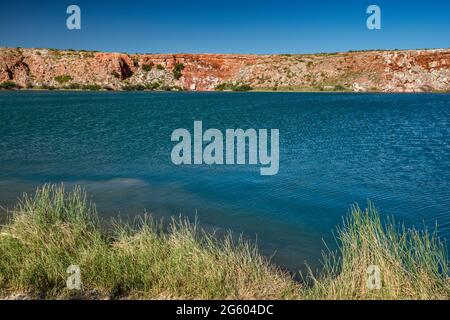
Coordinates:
54 229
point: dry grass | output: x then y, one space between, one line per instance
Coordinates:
54 229
412 264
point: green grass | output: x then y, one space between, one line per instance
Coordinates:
63 79
53 229
413 264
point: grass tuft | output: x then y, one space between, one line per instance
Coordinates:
412 264
48 232
55 229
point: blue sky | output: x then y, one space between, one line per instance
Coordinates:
232 26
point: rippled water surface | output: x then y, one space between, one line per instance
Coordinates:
335 150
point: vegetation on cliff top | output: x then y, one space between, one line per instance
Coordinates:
54 229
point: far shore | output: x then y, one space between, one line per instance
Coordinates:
262 90
357 71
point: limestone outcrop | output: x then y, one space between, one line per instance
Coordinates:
384 71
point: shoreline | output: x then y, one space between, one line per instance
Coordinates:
224 91
360 71
55 228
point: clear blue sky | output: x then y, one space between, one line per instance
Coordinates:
229 26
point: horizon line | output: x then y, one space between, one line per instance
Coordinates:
223 53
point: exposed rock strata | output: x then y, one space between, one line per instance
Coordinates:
386 71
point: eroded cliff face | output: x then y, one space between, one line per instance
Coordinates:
386 71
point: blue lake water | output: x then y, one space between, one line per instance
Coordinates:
335 150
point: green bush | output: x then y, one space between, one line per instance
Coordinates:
63 79
177 70
8 85
147 67
160 67
54 229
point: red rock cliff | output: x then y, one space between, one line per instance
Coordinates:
386 71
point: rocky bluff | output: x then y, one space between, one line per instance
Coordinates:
384 71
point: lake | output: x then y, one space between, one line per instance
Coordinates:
335 150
